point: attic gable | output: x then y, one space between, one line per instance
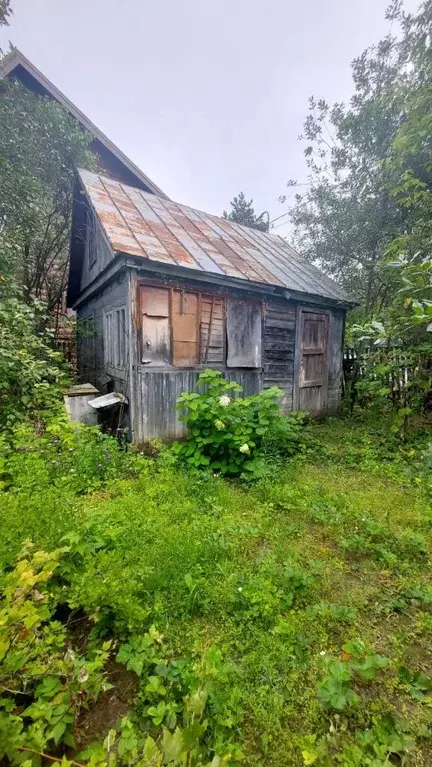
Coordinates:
110 158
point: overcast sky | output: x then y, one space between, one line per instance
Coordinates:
206 96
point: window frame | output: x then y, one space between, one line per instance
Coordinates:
115 338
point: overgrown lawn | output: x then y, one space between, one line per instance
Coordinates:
314 584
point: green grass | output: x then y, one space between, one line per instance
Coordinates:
278 576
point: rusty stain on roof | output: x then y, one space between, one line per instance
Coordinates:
160 230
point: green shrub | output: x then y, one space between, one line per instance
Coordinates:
424 471
32 374
44 683
43 475
67 455
225 432
285 437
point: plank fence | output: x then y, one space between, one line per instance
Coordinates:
370 365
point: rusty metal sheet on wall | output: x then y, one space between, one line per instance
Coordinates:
154 303
244 334
185 310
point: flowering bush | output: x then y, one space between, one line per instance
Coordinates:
226 432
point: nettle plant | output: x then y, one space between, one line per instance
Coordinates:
226 432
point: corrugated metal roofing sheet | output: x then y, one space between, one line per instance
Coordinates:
145 225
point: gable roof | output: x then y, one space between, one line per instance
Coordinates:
17 65
166 232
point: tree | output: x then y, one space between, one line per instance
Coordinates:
5 12
40 148
243 213
351 211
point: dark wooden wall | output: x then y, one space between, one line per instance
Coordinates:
90 333
97 247
278 348
335 360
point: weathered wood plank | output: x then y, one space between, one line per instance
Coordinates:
279 340
157 393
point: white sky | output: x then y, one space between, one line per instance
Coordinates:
208 97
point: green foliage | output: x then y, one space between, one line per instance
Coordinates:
224 600
193 699
41 146
243 213
42 474
369 166
5 12
334 690
367 212
66 455
226 434
31 372
385 743
44 682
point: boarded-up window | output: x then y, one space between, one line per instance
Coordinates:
187 328
243 334
181 327
155 326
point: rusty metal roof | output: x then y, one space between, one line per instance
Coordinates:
157 229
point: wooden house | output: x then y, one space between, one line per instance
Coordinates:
163 291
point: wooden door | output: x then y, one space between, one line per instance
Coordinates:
313 368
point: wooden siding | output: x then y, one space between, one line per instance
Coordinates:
244 333
212 330
155 414
91 358
97 252
278 346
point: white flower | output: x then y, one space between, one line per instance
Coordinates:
240 588
219 425
244 448
323 652
83 675
224 400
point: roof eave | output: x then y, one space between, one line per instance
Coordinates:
279 291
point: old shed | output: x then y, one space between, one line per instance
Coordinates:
163 291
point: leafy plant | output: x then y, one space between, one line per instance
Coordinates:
31 372
225 432
189 698
334 690
44 682
418 683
